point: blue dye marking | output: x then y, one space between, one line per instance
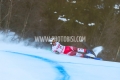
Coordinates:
63 74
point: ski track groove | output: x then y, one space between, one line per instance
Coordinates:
63 74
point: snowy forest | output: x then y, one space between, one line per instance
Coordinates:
29 18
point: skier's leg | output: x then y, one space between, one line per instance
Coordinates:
80 54
72 53
73 48
67 50
81 50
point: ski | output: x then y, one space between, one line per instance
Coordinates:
95 58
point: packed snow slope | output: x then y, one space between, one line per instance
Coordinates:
19 62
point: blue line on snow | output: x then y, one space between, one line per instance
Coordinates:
63 74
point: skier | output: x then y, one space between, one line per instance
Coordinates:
68 50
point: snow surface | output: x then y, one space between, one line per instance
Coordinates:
19 62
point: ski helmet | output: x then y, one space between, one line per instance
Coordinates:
51 40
